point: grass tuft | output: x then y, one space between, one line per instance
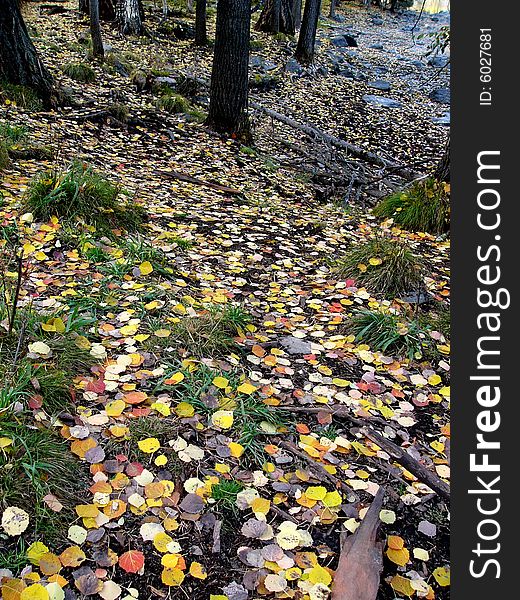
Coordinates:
22 96
384 266
80 72
387 332
80 193
173 103
211 332
423 207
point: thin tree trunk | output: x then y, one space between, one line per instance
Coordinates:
95 30
19 60
277 17
107 9
297 13
229 75
165 8
332 9
307 38
189 5
130 17
201 36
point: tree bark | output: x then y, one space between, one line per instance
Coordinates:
332 9
201 36
307 38
297 13
107 9
95 30
276 17
442 170
229 75
19 60
130 16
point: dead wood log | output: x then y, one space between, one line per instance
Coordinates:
361 559
400 455
196 181
353 150
318 468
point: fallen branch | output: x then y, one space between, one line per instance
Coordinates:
361 559
352 149
316 466
431 479
197 181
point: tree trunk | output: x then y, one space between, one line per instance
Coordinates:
107 9
297 13
442 170
95 30
19 60
277 17
165 8
305 49
201 36
332 10
130 17
229 75
189 5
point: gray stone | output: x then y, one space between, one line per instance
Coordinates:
380 85
377 46
439 61
293 345
293 66
444 120
441 95
381 101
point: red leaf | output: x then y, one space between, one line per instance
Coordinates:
131 561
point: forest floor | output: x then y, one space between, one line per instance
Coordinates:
210 350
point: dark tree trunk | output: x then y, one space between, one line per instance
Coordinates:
201 36
332 10
130 16
19 60
297 13
95 30
442 170
229 75
305 49
107 9
277 17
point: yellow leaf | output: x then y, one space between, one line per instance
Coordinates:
220 382
402 585
236 449
317 492
222 419
198 571
318 574
172 577
161 541
35 592
246 388
442 576
145 268
35 551
115 408
184 409
332 499
149 445
261 505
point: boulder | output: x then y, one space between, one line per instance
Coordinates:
381 101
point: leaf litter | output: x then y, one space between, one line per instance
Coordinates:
246 473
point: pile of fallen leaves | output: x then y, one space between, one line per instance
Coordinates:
229 475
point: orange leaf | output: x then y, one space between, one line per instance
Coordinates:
131 561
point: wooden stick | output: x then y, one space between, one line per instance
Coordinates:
197 181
